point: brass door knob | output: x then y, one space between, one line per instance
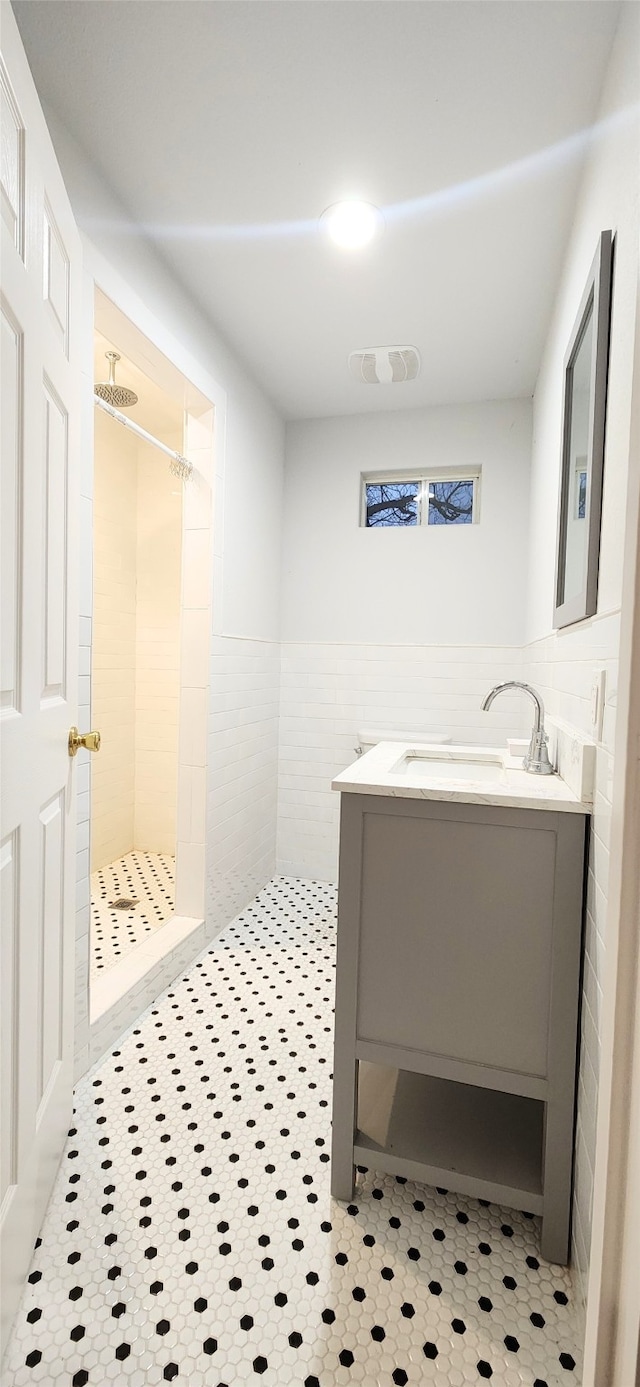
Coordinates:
89 740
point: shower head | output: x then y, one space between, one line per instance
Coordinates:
115 394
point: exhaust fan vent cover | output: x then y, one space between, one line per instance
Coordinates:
384 365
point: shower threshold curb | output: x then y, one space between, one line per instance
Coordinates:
131 985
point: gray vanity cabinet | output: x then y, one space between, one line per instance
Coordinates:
457 1000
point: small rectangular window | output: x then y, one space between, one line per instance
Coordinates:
430 498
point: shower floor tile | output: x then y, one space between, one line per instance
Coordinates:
191 1236
147 877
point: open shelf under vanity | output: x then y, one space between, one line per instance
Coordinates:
475 1141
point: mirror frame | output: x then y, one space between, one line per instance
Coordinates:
596 299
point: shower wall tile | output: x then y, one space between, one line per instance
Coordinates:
114 641
243 773
196 624
197 496
194 658
196 568
190 876
192 796
82 840
157 653
193 727
85 585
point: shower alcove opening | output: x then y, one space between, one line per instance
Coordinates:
148 672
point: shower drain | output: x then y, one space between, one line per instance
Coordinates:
124 903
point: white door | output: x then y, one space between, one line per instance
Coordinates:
41 287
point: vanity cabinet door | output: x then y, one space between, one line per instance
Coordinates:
461 909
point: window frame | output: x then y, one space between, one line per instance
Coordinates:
425 476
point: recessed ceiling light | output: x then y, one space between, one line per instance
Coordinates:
351 224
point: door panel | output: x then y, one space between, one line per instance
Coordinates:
10 507
41 381
12 163
50 942
8 981
54 487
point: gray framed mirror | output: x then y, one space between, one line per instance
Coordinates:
583 430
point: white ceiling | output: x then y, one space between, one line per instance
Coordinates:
218 121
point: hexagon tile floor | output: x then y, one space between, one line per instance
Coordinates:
191 1236
148 879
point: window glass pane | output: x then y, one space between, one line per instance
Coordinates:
580 508
451 503
392 503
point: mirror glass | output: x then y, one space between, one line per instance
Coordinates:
579 393
582 446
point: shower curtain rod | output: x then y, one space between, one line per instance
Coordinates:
179 465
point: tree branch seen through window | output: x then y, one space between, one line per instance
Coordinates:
451 503
392 503
426 501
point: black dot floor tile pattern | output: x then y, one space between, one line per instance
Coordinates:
191 1236
148 878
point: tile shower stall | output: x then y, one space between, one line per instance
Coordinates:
135 692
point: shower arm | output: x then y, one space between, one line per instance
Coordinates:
180 465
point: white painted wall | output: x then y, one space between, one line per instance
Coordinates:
248 599
247 512
563 663
455 584
393 628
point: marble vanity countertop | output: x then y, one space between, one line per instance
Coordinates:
406 771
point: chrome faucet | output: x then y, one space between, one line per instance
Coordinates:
536 760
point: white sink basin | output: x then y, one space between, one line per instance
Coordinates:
428 765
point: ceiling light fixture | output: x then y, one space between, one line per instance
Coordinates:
351 224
